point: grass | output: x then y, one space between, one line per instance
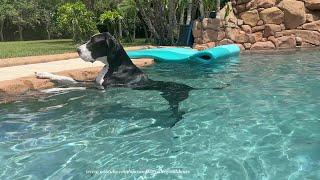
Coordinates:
35 48
44 47
137 42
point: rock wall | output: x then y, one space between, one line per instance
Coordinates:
262 24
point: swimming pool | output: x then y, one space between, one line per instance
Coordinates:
265 125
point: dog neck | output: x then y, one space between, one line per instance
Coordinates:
120 58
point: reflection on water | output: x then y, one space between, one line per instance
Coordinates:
264 126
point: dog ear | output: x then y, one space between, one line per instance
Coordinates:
112 43
113 48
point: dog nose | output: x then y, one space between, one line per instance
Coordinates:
79 51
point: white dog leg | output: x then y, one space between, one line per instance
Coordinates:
56 78
102 73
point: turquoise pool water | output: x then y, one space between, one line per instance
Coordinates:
266 125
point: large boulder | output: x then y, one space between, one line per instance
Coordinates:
241 38
286 42
258 28
309 18
272 16
241 8
198 41
210 35
196 33
294 13
225 41
258 36
210 23
246 28
237 36
262 46
221 35
265 3
239 22
211 44
315 26
271 29
242 1
313 15
200 47
312 4
307 45
252 38
311 37
260 22
250 17
249 5
241 47
231 33
273 39
196 25
227 11
247 45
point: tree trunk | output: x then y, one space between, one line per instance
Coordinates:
201 8
48 32
182 16
73 31
172 23
1 29
89 4
134 27
146 33
20 32
120 28
189 13
218 9
147 20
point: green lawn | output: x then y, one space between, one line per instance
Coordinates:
44 47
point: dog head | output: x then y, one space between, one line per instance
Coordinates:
100 47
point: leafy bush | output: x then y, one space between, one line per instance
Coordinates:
110 16
75 18
108 21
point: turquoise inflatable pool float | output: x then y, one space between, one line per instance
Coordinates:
187 54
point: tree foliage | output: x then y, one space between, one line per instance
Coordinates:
75 18
24 14
110 16
159 19
6 11
47 11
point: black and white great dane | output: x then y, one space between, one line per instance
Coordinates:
119 71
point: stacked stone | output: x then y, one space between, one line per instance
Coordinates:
264 24
207 32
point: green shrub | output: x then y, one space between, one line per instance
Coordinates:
75 18
109 20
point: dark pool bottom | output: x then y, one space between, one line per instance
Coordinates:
266 125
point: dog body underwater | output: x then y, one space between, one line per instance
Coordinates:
119 71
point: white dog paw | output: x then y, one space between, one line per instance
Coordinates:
43 75
99 81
